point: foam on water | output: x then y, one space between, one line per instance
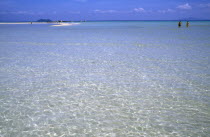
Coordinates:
105 79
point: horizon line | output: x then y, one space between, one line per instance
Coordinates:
118 20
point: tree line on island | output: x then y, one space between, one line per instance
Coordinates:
49 20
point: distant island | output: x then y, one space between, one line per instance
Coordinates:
44 20
49 20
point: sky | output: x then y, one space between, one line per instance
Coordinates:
75 10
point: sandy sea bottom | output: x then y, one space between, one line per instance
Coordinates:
105 79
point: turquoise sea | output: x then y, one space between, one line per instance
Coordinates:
105 79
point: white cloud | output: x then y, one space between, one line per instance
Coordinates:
141 10
74 12
205 5
166 11
20 12
105 11
184 6
170 10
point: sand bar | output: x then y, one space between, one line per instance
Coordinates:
65 24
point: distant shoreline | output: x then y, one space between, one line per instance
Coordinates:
140 20
56 22
28 23
52 23
70 23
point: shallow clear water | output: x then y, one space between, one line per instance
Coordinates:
105 79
